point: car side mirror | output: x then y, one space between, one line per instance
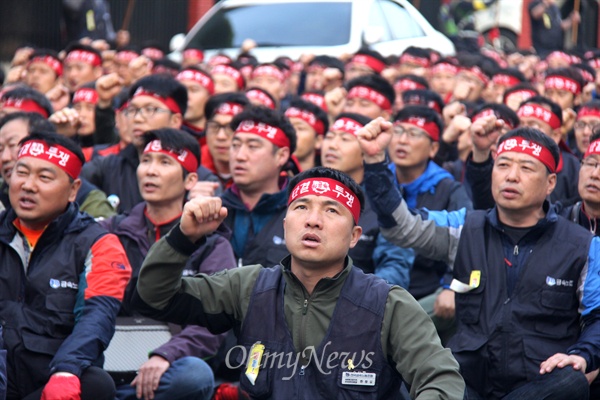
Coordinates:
177 42
373 34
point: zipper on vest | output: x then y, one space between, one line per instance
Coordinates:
305 307
516 250
301 373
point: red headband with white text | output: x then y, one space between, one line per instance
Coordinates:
27 105
84 56
167 101
540 113
308 117
52 62
369 61
331 188
58 155
185 157
433 131
364 92
199 77
519 144
269 132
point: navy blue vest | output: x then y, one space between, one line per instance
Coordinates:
501 340
354 333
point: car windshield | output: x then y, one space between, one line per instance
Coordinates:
281 24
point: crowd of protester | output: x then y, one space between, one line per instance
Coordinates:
133 135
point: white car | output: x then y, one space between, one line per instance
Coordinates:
295 27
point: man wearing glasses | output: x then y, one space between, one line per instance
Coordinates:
588 120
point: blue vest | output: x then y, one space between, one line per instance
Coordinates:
354 333
501 339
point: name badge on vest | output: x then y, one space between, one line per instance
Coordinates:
460 287
359 378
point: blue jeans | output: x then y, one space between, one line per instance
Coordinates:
560 384
188 378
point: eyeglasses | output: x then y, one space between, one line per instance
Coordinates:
412 133
581 125
213 128
590 163
146 111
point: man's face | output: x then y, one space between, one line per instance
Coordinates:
520 183
77 73
10 136
468 86
197 97
563 98
253 162
314 79
40 191
411 147
442 83
87 114
40 76
160 179
162 118
271 84
583 129
364 107
307 140
589 180
123 70
537 124
341 151
218 138
354 70
319 231
224 84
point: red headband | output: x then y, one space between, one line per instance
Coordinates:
194 53
525 146
408 58
346 125
363 92
595 63
505 80
562 83
85 95
433 131
308 117
27 105
328 188
403 85
418 99
315 99
488 112
589 78
475 70
260 97
538 112
58 155
371 62
271 133
560 55
229 108
153 53
219 60
231 72
84 56
52 62
588 112
593 148
268 70
525 94
444 68
167 101
199 77
126 55
183 157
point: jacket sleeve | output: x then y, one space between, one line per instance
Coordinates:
3 379
194 340
217 302
105 126
411 341
93 171
101 289
393 263
479 177
435 233
588 345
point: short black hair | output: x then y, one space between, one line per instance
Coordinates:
84 47
486 64
361 119
27 93
53 138
537 136
424 97
329 173
514 72
263 91
269 117
163 85
427 113
35 122
214 102
500 110
328 62
371 53
587 68
175 140
167 66
417 52
541 100
321 115
375 82
414 78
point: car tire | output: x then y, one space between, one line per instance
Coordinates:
506 42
